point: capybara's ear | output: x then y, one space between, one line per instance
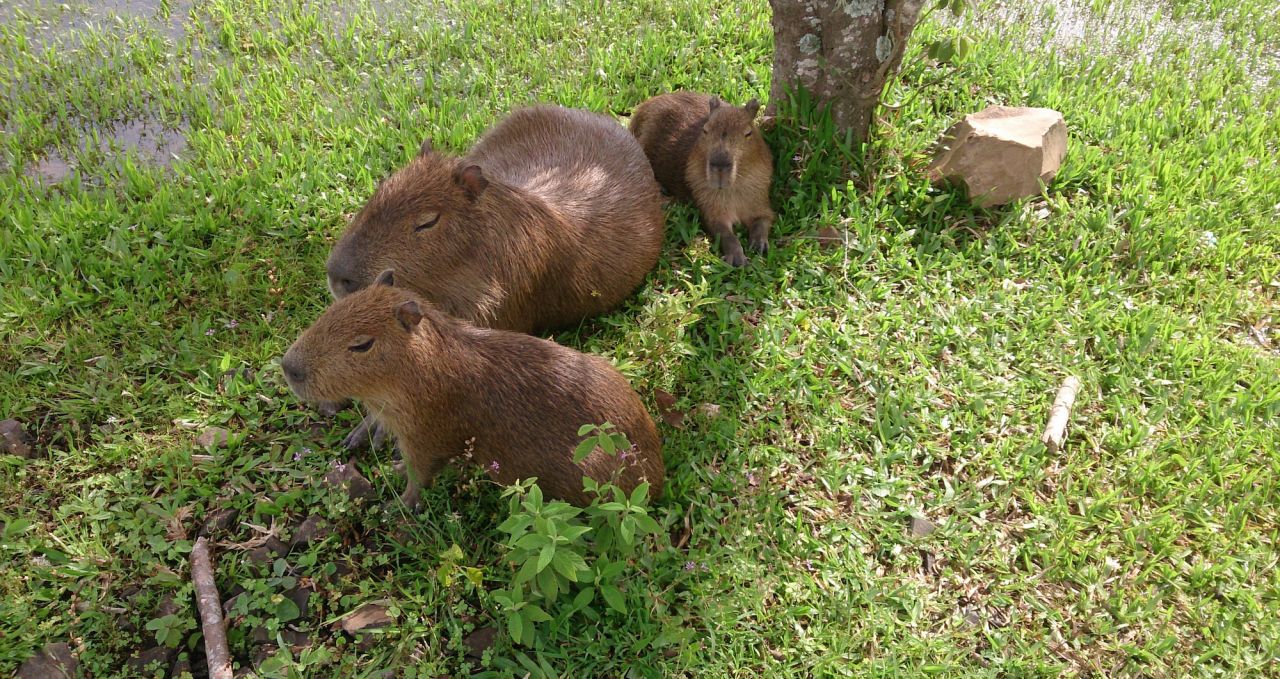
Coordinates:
751 107
387 278
409 314
425 148
472 180
715 103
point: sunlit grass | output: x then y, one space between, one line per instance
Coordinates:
906 373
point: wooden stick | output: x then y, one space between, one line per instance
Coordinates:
1056 431
210 604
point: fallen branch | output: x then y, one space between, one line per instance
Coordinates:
210 604
1056 431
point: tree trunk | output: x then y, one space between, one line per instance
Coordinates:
842 51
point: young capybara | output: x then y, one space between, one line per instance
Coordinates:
712 154
554 216
444 387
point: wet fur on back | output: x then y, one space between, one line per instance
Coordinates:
445 387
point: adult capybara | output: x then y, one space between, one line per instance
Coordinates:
444 387
554 216
712 154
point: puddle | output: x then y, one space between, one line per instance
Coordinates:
1137 31
145 141
49 24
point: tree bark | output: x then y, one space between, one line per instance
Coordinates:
842 51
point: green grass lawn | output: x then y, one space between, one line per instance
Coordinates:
905 373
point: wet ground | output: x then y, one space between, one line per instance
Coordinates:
1136 31
57 23
59 26
143 140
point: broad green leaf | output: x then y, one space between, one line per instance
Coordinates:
515 524
549 584
526 572
515 627
647 524
585 429
564 566
532 542
535 613
583 449
627 531
544 558
584 597
640 494
614 598
286 610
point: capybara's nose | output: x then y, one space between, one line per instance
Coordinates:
341 285
721 161
293 370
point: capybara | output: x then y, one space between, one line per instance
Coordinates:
712 154
553 217
445 388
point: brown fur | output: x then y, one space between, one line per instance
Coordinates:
712 154
445 387
553 217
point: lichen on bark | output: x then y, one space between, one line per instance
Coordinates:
843 51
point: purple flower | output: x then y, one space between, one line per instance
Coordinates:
210 332
231 324
690 565
339 466
297 456
494 466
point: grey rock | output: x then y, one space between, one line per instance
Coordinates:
54 661
14 439
213 437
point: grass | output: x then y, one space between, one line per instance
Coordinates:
904 374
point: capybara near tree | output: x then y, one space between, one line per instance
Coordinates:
512 402
712 154
553 217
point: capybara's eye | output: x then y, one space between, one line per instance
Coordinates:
361 347
706 131
748 134
430 221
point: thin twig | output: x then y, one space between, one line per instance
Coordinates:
1055 432
210 604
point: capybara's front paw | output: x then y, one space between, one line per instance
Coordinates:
369 432
759 244
735 258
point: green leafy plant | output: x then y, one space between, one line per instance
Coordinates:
556 549
171 629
